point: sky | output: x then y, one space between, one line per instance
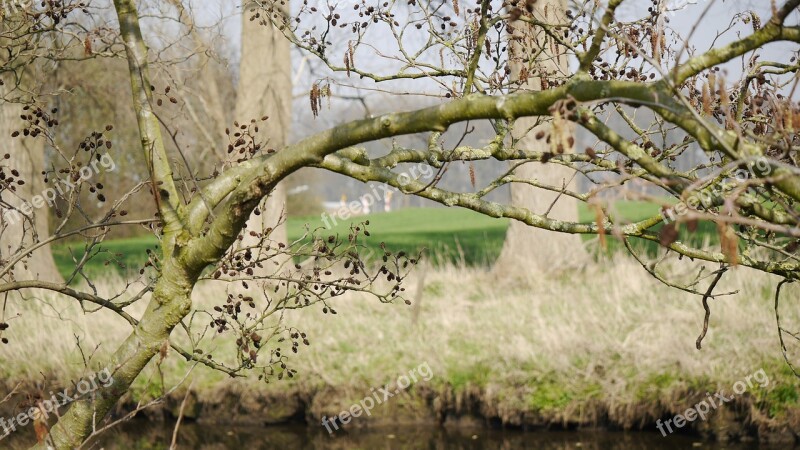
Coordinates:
715 14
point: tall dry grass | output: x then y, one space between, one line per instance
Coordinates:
607 331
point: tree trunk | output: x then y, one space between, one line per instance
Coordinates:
169 304
17 230
265 88
528 249
171 298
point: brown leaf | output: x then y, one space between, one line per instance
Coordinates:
600 218
472 174
314 97
40 427
729 242
668 234
163 351
706 100
795 119
87 46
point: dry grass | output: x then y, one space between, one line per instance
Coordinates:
607 331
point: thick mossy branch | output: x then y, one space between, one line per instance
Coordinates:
313 149
159 166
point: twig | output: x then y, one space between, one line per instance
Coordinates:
708 295
781 330
174 444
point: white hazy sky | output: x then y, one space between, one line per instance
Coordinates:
716 15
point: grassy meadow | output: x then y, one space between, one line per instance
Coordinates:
606 333
448 236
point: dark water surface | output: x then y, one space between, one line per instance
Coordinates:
141 435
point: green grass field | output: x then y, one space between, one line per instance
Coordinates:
447 235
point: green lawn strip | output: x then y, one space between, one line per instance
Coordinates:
447 234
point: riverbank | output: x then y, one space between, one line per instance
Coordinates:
601 346
526 407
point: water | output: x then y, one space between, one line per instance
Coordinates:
142 435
